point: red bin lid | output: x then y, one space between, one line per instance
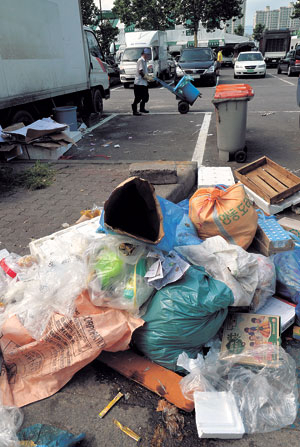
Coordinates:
233 91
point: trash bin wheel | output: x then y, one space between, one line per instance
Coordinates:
183 107
240 156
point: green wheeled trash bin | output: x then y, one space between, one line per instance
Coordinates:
231 103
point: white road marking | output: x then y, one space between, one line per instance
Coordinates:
274 111
283 80
116 88
108 118
201 141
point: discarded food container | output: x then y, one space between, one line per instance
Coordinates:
217 415
66 115
230 102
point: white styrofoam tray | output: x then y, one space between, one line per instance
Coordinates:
46 247
217 415
214 175
272 209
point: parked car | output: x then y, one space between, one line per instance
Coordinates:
113 73
227 61
290 63
250 63
199 63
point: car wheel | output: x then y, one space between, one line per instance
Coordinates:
214 81
126 84
289 72
278 70
264 75
235 76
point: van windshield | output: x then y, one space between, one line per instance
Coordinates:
132 54
196 55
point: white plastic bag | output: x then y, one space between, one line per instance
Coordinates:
267 397
266 281
116 269
11 419
228 263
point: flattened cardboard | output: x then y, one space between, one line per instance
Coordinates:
244 331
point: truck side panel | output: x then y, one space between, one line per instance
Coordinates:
41 50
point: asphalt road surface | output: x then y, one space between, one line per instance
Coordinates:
164 134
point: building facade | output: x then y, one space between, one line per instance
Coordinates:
233 23
277 18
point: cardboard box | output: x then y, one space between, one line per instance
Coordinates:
285 310
290 225
244 331
270 237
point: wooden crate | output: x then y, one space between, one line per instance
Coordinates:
269 180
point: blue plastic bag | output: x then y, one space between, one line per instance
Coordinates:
287 266
48 436
183 316
178 228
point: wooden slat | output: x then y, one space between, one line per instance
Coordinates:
283 178
264 175
264 187
283 171
160 380
269 180
251 166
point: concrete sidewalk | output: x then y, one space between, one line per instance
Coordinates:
78 185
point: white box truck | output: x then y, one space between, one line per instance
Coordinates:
48 59
135 43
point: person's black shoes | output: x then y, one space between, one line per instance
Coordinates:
134 111
144 111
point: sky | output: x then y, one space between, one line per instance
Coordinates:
252 6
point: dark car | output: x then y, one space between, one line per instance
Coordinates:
290 63
113 72
199 63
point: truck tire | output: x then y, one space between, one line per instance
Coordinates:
22 116
97 102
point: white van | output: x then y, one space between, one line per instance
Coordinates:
135 44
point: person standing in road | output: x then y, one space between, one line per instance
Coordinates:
141 93
219 58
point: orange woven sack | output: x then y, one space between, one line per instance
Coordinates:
223 211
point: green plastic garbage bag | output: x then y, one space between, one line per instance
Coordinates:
182 317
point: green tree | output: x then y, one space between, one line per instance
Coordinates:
145 14
296 14
239 30
106 34
258 31
90 12
211 13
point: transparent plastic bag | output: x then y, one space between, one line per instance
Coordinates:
52 288
116 269
195 381
11 419
266 282
266 396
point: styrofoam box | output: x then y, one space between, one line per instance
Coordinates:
46 247
272 209
217 415
213 175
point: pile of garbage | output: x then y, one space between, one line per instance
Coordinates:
172 280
